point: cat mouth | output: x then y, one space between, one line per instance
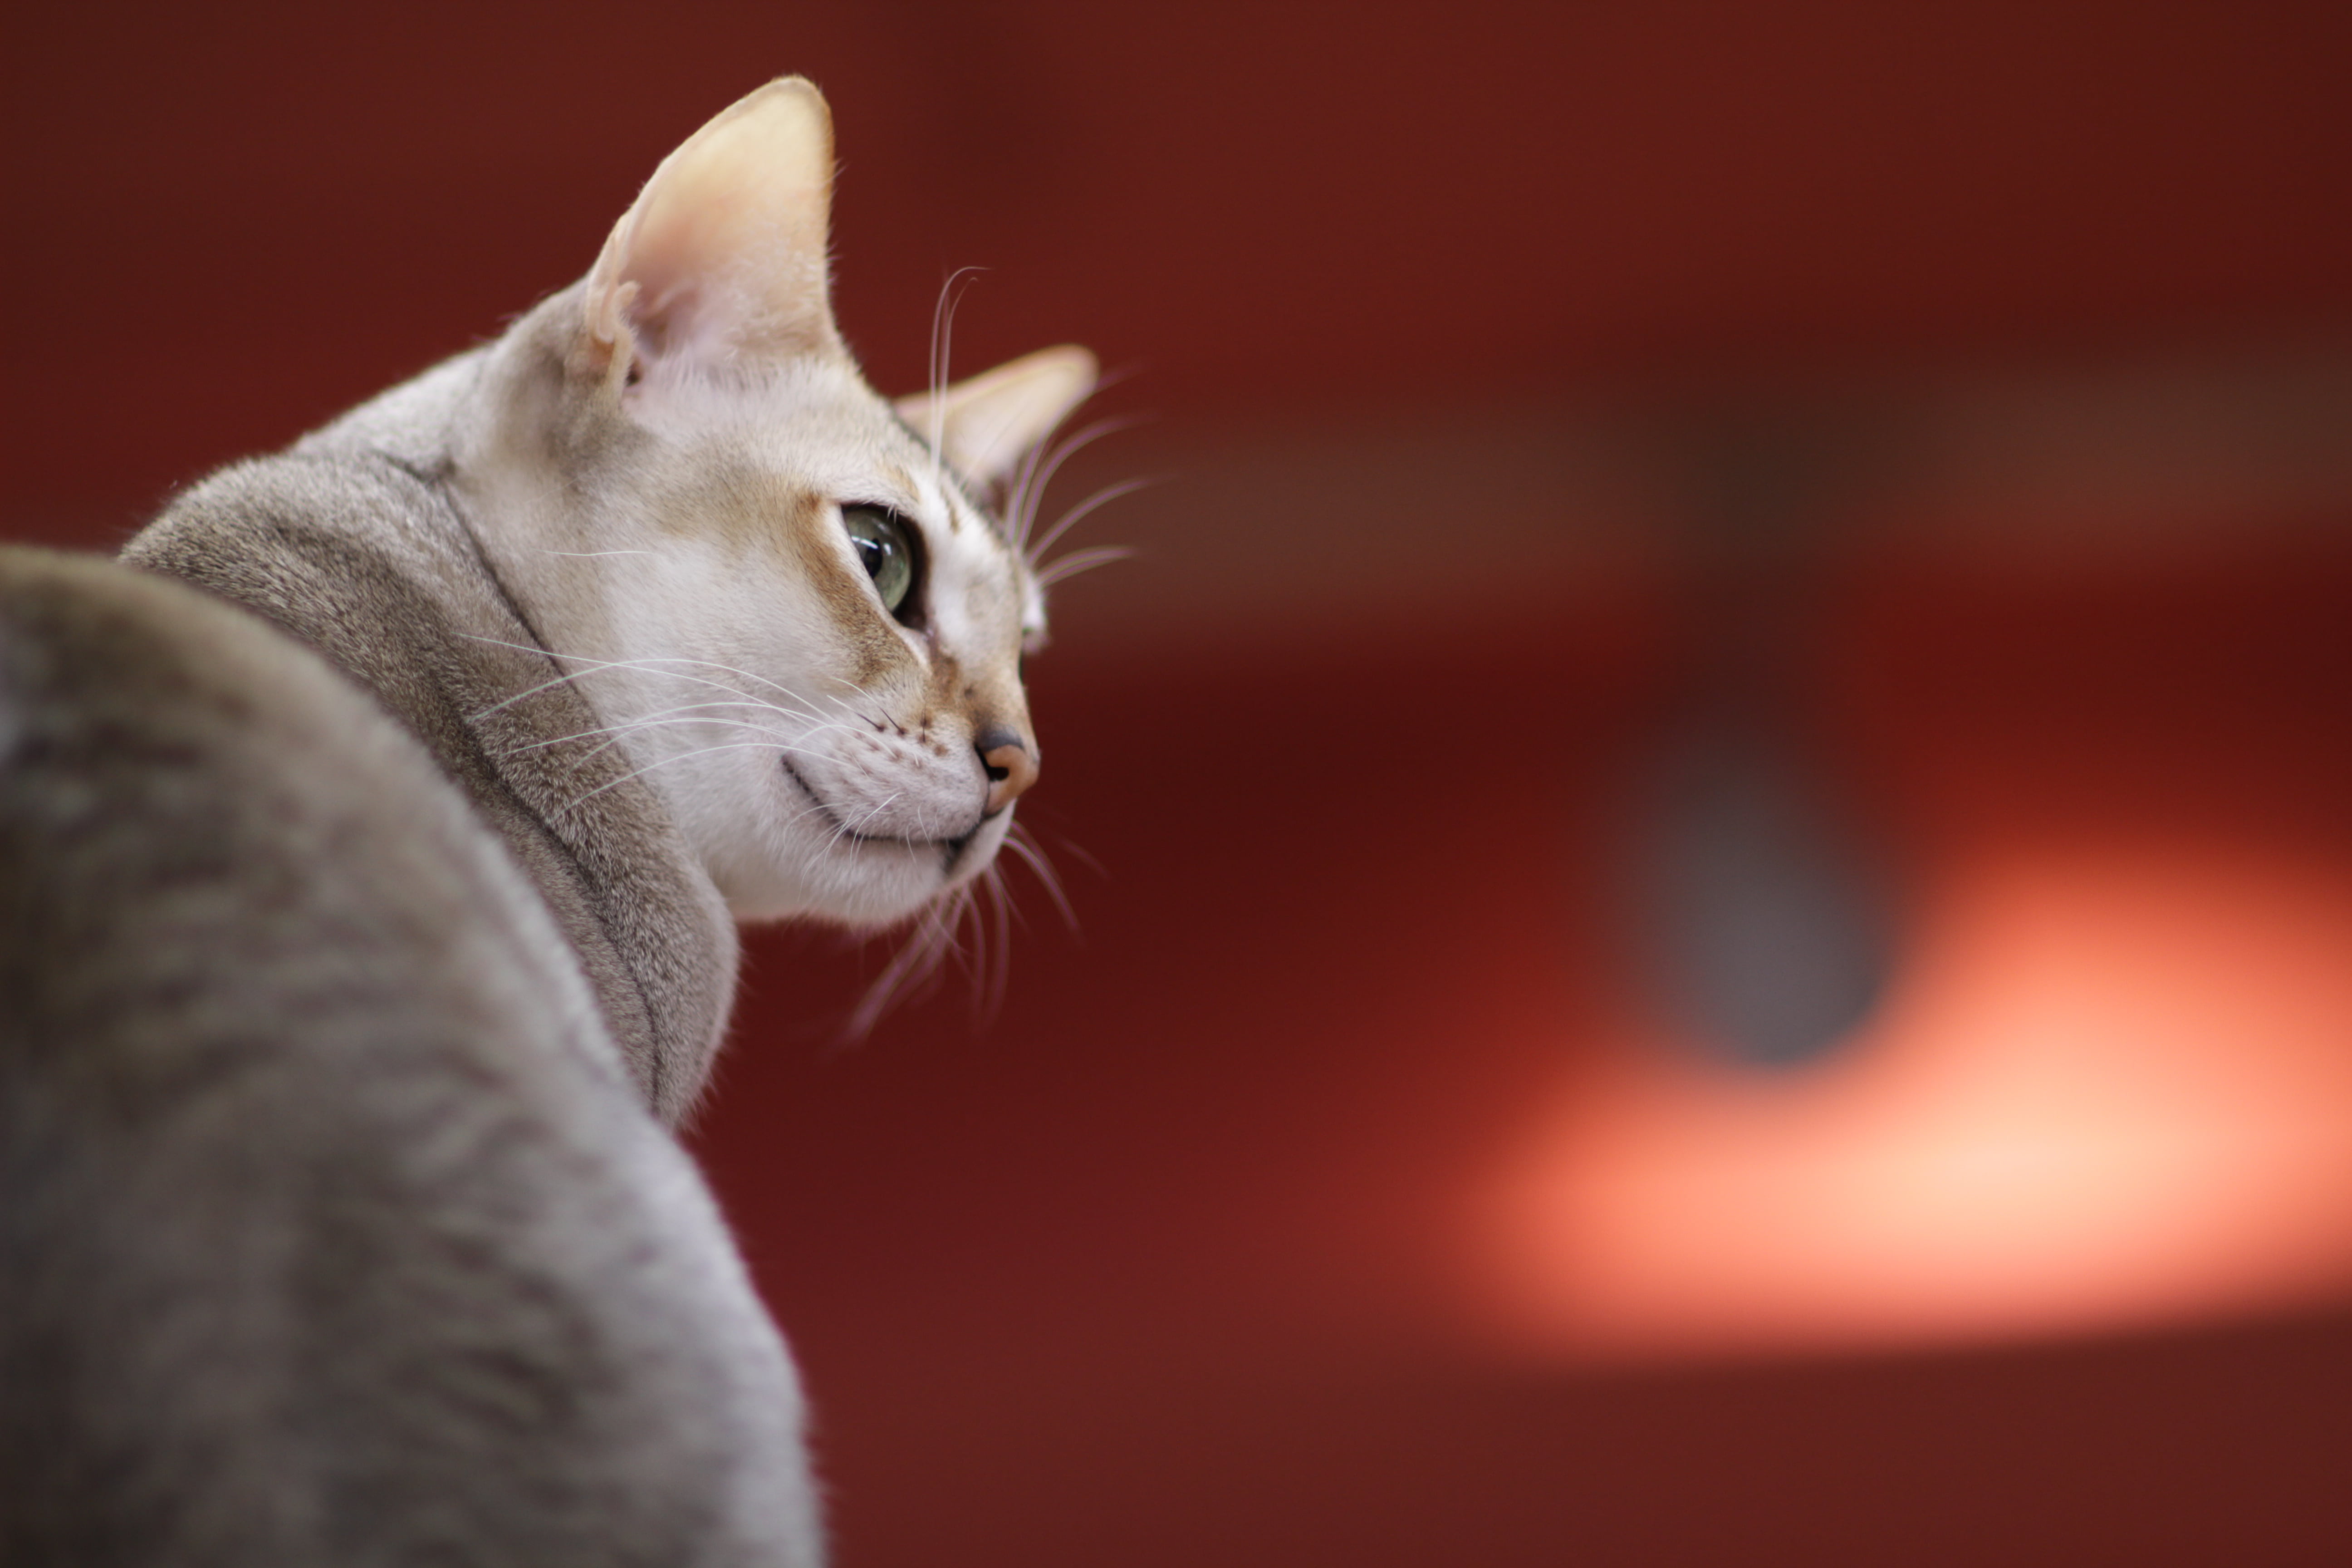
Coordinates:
952 849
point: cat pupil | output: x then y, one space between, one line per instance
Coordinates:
886 546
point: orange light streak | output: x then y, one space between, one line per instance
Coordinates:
2112 1087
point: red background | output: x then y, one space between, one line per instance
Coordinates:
1154 1268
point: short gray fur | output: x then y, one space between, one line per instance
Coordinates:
354 547
339 1221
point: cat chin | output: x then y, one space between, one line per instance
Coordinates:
865 884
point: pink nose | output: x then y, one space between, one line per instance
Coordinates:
1011 762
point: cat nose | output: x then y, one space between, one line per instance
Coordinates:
1011 762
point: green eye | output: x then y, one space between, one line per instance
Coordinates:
886 546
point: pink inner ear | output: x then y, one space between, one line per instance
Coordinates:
670 293
717 287
723 258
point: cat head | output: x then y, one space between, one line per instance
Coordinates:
786 595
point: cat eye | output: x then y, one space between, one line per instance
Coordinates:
886 547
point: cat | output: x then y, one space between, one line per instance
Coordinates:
371 844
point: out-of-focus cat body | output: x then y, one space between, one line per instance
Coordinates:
349 1009
333 1226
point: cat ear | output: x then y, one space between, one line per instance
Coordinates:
983 425
724 257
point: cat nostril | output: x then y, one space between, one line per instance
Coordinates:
1010 762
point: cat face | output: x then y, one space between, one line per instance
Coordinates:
782 594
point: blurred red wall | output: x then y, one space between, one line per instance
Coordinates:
232 220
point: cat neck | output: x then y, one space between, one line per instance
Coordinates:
357 542
417 425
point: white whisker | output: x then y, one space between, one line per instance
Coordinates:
1070 846
993 977
1078 561
643 666
1033 855
679 757
917 960
1106 494
942 334
1021 510
665 716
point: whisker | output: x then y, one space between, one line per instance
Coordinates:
1078 561
1051 454
665 716
614 736
1021 511
1016 492
1102 496
598 666
1033 855
987 964
681 756
1068 846
917 960
844 828
943 312
645 666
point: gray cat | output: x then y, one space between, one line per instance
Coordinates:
363 937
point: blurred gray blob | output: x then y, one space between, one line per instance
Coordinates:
1766 921
1765 916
